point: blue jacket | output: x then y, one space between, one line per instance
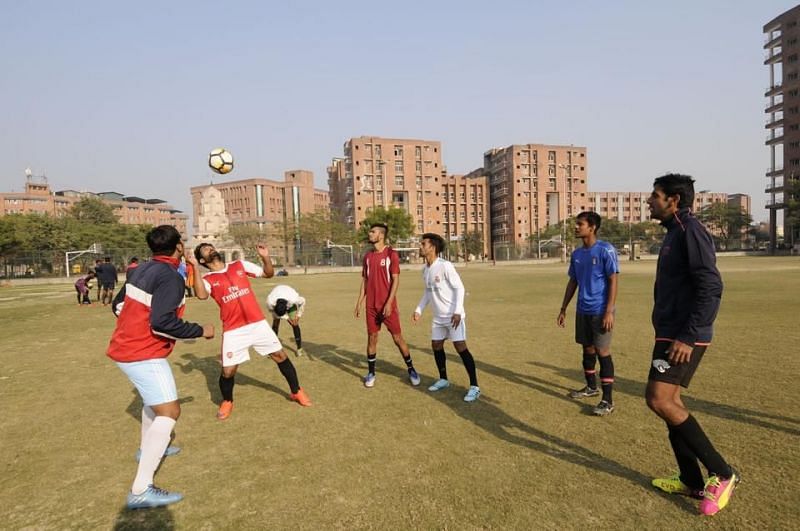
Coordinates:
688 288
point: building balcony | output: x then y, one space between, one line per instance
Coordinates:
500 218
774 188
773 90
773 56
772 140
771 172
776 104
772 42
775 203
775 122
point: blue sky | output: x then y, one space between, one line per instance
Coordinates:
131 97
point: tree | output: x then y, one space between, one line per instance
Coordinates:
400 223
725 221
93 210
791 216
246 236
473 243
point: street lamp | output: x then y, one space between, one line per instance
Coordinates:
564 218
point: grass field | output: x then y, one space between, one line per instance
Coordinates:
396 457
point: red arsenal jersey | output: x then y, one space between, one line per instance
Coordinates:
377 271
230 287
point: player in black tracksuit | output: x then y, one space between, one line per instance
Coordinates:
688 291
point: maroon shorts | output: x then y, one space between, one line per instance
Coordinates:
375 319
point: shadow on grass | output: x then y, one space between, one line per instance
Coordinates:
210 368
491 418
737 414
156 518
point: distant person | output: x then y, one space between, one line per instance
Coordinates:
97 268
148 325
243 322
593 273
133 264
445 292
688 292
83 287
190 272
284 303
380 278
107 278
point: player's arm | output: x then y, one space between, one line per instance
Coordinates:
608 318
454 280
569 292
164 320
387 308
423 302
263 252
362 294
199 285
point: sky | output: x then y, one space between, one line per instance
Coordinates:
131 96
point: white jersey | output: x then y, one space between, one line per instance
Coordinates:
281 291
443 290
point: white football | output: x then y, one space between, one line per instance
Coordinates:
220 160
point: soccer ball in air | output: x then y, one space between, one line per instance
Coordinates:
220 160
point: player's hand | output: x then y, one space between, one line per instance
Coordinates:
263 250
562 317
679 352
455 320
415 317
208 331
357 311
387 310
294 322
608 321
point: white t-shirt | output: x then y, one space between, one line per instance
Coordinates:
443 290
281 291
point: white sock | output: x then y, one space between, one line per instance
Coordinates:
154 443
148 415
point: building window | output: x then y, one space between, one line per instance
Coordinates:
377 151
551 171
398 181
419 182
398 151
418 167
418 152
398 166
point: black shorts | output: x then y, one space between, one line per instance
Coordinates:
589 331
662 371
107 285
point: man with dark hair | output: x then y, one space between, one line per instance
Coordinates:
83 286
148 325
286 304
243 322
98 266
133 264
445 293
688 292
107 279
380 278
593 272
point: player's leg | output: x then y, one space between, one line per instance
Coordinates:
373 319
276 325
298 336
154 381
583 336
459 337
266 343
227 381
602 344
80 295
393 325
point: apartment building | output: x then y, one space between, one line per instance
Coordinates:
130 210
533 186
631 207
782 57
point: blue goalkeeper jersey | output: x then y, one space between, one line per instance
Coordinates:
590 268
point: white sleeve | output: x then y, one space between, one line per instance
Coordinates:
453 278
252 269
426 298
301 305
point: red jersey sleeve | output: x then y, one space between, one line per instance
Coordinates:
394 267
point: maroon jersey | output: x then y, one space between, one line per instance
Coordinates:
377 271
230 287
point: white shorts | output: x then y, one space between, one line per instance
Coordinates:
236 343
153 379
442 332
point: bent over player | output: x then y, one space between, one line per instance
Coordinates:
243 322
444 291
284 303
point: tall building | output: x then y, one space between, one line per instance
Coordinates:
631 207
533 186
375 171
130 210
783 115
258 202
464 208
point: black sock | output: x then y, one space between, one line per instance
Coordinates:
298 338
607 377
691 475
371 362
226 387
409 363
288 372
469 364
589 361
691 432
441 363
